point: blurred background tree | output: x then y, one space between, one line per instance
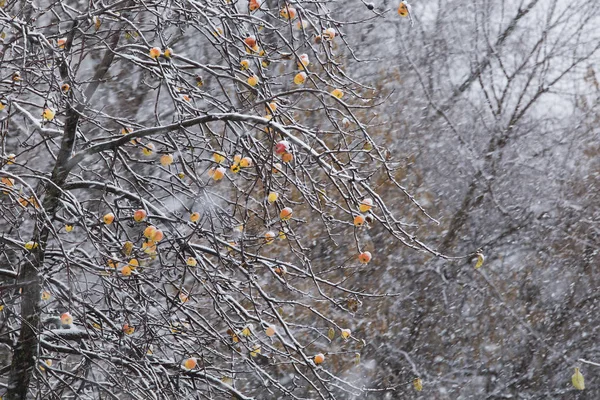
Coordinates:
252 199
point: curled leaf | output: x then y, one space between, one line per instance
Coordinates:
480 260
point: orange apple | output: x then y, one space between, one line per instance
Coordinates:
346 333
253 5
280 270
150 231
166 160
195 216
364 257
253 80
301 25
329 33
108 218
270 331
288 12
244 64
139 215
128 329
366 205
300 78
48 114
287 157
219 173
34 245
149 248
66 319
359 220
250 41
337 93
304 61
319 358
270 237
218 157
190 363
168 52
158 236
245 162
286 214
403 9
126 270
155 52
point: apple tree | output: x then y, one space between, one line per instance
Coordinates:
168 168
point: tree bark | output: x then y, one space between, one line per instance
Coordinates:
26 350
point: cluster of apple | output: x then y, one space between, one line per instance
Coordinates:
284 150
285 214
9 183
217 173
240 162
152 236
156 52
251 46
359 220
287 12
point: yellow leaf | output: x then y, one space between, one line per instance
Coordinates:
356 358
480 260
577 379
331 334
227 380
418 384
255 350
246 331
127 248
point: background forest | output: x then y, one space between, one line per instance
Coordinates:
222 199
